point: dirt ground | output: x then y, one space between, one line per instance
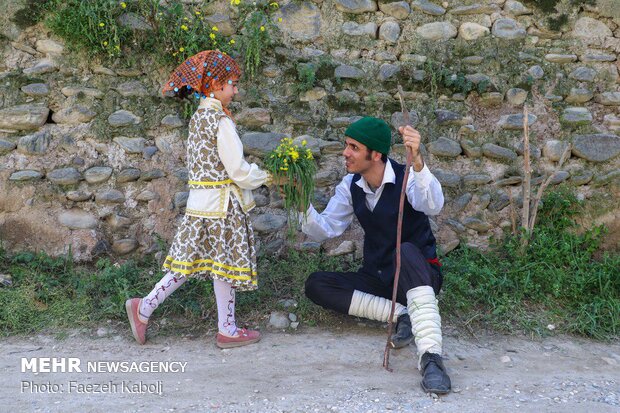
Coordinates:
312 371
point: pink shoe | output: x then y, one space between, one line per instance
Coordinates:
138 327
243 338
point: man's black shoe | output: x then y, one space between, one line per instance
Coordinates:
435 379
403 335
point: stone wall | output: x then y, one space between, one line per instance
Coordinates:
92 156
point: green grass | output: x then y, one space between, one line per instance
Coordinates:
556 280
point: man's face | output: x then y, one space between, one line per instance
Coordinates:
357 156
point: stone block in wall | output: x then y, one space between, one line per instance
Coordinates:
26 175
596 56
116 222
124 246
437 31
133 88
613 176
559 177
476 179
74 115
397 119
36 89
449 118
253 117
128 175
389 32
477 8
300 21
69 91
134 21
172 121
445 147
79 195
398 9
561 58
470 149
152 174
41 67
477 224
590 30
608 98
6 146
426 6
261 143
348 72
576 116
97 174
611 121
180 199
582 178
515 121
583 74
23 117
497 152
536 72
268 223
516 8
109 196
472 31
77 219
356 6
516 96
360 30
508 29
447 178
130 145
49 46
35 144
579 95
311 95
122 118
598 147
388 71
511 180
146 196
222 22
149 151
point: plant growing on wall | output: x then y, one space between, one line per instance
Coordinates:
559 16
256 31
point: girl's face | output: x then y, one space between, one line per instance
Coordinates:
227 92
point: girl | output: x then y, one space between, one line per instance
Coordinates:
215 239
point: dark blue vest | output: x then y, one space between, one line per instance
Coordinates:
380 226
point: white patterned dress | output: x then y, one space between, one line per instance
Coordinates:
216 239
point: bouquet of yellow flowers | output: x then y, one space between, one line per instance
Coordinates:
293 167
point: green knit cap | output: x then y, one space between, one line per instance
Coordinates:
372 132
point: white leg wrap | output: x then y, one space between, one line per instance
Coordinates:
373 307
425 320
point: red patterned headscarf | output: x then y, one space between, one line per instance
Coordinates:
194 75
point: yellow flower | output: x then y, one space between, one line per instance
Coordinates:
197 13
235 2
282 168
274 4
212 36
304 142
101 24
184 27
105 43
279 19
117 47
294 155
215 29
123 5
262 28
181 49
232 41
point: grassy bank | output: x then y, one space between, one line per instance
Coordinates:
554 284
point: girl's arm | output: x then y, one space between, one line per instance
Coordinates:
230 150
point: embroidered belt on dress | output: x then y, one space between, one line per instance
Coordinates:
208 184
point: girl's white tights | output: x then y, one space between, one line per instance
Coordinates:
224 297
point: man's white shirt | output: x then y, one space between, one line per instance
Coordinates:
423 193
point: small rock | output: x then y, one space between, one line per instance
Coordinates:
278 319
345 247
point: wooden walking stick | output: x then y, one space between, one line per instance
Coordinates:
386 354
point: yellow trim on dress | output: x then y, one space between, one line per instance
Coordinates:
169 263
210 183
